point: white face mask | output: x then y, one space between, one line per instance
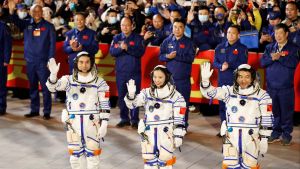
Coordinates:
22 14
61 21
147 11
112 20
203 18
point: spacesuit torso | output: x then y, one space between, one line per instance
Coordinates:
164 110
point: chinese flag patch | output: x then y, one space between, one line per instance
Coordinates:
269 108
181 46
206 32
116 45
285 53
107 95
235 52
182 110
42 28
131 43
85 37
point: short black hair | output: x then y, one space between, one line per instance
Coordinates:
203 7
282 26
84 14
179 20
292 3
237 27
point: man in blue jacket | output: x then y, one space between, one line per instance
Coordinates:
5 48
80 39
179 53
280 60
39 47
127 47
228 56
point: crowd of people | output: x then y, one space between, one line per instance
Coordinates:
181 29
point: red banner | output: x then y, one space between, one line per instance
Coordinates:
105 63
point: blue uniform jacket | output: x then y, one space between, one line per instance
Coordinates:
202 35
5 44
181 65
86 37
219 32
234 55
280 73
128 61
296 38
39 39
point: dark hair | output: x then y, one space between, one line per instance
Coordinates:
81 13
79 55
237 27
203 7
176 10
166 73
292 3
282 26
179 20
221 6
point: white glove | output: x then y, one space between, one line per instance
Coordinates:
131 88
263 145
177 141
103 129
223 128
64 116
206 73
141 127
54 68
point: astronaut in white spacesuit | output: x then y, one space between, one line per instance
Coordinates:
162 128
87 109
249 117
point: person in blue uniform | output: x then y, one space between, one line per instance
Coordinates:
178 52
39 47
5 48
280 60
80 39
228 56
127 47
201 28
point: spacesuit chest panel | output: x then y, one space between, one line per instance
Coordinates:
159 110
243 110
82 97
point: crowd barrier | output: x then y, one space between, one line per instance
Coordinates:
17 69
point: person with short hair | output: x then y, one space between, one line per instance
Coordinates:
280 60
249 119
87 112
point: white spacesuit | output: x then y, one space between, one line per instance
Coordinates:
249 118
87 112
162 129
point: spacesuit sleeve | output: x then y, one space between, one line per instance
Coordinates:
179 110
267 118
59 85
139 100
103 97
211 92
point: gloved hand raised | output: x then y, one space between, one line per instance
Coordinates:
131 88
263 145
206 73
54 68
103 129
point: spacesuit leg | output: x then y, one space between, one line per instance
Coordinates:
76 162
230 156
250 155
166 147
146 166
149 149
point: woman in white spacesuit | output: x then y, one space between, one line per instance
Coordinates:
249 117
87 109
162 128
